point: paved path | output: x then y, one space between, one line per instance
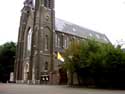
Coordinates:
46 89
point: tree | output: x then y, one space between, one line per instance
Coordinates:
115 66
72 59
7 57
95 63
81 58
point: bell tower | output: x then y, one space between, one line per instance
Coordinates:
18 66
41 64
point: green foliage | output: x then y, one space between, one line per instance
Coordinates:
7 57
72 59
72 56
102 63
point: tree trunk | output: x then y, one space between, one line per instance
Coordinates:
71 78
78 78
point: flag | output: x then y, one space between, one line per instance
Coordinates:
59 57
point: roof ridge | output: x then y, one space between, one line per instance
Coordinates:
80 26
77 30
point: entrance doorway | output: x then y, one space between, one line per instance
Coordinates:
63 76
26 71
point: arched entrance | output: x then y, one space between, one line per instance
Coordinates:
26 71
63 76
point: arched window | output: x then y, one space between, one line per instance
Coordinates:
46 42
65 43
46 66
59 45
56 41
26 71
62 41
29 40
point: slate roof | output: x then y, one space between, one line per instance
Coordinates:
70 28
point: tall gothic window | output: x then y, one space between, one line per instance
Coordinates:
46 66
65 43
26 71
67 39
62 41
56 41
46 42
29 39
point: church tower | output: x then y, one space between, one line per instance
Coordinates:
42 42
19 62
34 57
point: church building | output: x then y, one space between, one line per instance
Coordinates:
41 36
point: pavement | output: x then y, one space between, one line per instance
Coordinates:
51 89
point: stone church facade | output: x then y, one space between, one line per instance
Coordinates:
41 36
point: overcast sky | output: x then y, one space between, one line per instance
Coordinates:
105 16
